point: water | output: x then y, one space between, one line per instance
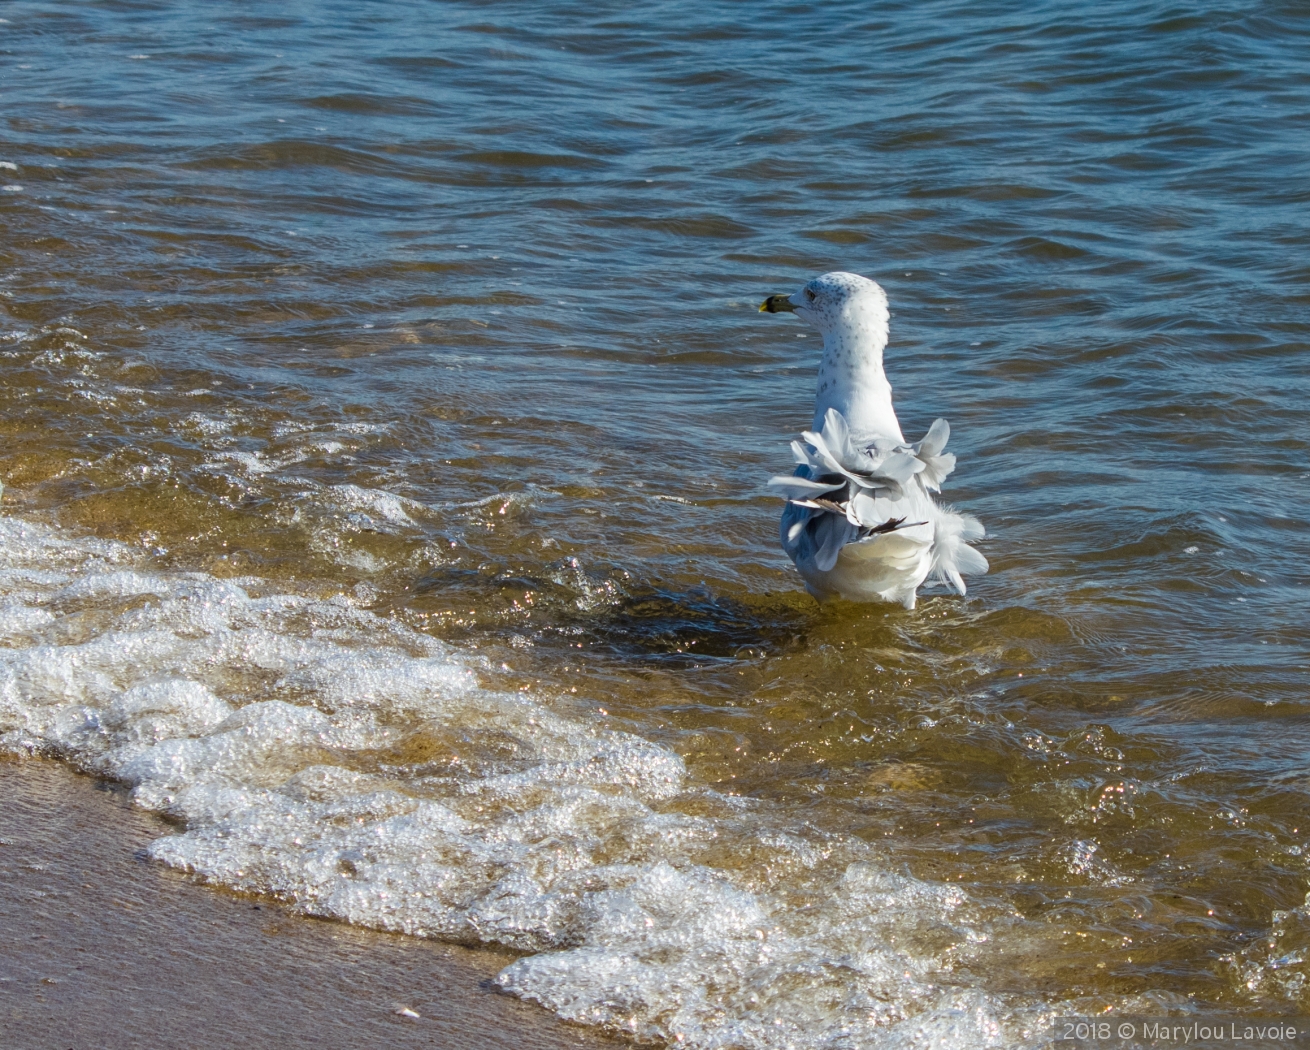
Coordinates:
385 430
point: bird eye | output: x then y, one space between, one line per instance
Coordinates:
809 296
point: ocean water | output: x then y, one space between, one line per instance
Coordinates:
384 430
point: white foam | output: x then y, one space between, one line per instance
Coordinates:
387 506
207 426
360 770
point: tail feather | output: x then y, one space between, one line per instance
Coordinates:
952 556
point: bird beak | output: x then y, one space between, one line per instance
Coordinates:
777 304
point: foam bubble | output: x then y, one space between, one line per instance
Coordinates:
361 771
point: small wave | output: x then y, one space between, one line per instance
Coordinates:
333 758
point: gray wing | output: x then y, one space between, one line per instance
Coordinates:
815 538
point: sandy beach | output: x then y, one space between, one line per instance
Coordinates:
102 950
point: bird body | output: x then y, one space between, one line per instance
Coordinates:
861 522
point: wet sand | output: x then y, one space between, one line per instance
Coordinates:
101 949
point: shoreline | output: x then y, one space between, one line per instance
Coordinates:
103 950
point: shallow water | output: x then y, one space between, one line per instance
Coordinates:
385 432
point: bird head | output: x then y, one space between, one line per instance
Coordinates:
832 301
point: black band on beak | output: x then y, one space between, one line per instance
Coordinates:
777 304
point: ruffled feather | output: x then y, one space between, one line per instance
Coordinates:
952 556
937 465
849 493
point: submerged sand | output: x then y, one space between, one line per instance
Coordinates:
101 949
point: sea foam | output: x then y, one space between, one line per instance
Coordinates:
359 770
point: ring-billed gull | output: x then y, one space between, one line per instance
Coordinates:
860 521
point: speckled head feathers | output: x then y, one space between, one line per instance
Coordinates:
835 301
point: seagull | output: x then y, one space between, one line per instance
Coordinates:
860 521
